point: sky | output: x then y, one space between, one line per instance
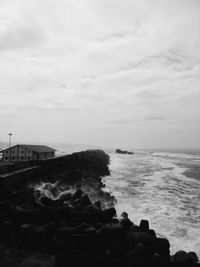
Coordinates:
111 73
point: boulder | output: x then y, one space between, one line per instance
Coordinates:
162 247
85 201
8 235
26 240
181 257
144 226
77 194
193 257
126 223
107 214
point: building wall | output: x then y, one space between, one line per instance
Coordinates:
17 153
20 153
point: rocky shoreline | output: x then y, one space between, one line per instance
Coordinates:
65 214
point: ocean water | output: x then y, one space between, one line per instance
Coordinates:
162 187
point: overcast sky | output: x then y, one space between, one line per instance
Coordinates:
107 72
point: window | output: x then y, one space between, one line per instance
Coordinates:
6 158
7 151
22 158
13 152
22 151
28 158
13 158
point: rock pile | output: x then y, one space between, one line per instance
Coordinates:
77 231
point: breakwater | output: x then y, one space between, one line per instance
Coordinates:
73 224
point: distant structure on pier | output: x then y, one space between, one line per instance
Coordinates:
119 151
27 152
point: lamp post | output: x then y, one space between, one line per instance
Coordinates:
10 135
9 144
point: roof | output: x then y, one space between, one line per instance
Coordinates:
36 148
39 148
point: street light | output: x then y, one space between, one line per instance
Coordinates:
10 135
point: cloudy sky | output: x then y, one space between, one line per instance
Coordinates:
106 72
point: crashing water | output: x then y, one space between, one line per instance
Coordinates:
163 188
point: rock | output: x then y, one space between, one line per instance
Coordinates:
50 228
133 238
48 214
162 247
77 194
4 206
8 235
107 214
40 238
21 195
156 260
113 238
85 201
23 216
139 251
26 240
98 204
147 239
126 222
181 257
66 196
152 232
144 226
193 256
65 232
50 202
90 230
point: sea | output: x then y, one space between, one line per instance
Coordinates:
162 187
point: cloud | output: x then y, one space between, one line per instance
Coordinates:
19 37
121 121
99 61
157 118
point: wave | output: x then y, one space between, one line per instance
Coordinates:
163 188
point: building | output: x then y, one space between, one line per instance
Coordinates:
27 152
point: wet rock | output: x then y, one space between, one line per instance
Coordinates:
156 260
133 238
107 214
66 196
4 206
40 238
77 194
65 232
144 226
193 257
180 257
126 222
85 201
162 247
26 240
8 235
21 195
113 238
139 254
147 239
50 227
22 216
50 202
152 232
98 204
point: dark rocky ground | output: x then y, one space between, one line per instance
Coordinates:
78 224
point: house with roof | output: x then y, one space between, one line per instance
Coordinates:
27 152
